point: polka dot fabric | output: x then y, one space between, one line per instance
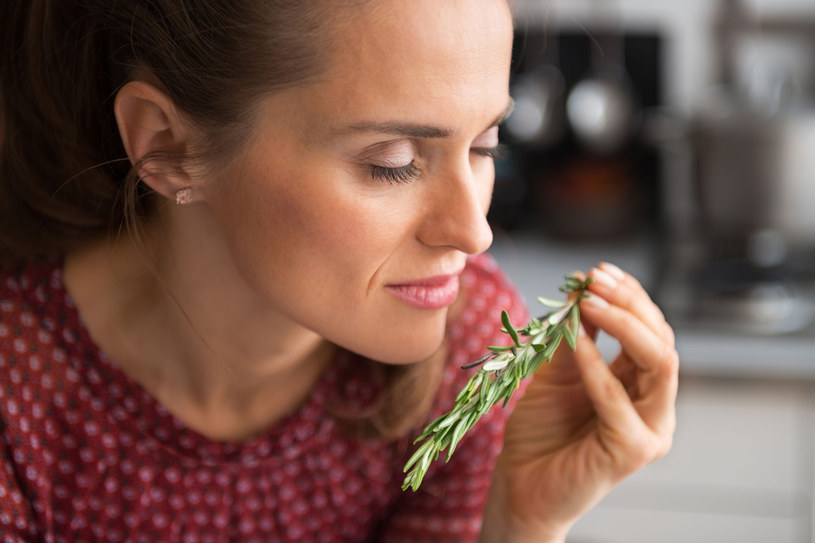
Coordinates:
89 455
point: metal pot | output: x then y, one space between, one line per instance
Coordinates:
601 109
538 118
756 173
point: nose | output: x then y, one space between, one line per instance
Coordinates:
457 210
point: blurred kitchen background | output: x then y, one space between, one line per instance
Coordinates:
676 138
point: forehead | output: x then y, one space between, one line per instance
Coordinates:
426 28
397 53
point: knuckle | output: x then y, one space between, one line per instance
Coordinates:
627 320
640 448
653 449
663 439
666 445
624 297
670 357
640 451
670 335
660 447
633 282
644 446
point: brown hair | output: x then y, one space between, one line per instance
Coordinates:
64 176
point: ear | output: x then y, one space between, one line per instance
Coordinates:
154 137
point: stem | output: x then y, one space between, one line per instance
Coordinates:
498 378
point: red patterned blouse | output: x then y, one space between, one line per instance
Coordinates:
89 455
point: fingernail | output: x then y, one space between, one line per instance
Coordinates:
613 270
595 300
581 332
603 278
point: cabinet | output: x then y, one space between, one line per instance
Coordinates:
740 470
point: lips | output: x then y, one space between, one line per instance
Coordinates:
430 293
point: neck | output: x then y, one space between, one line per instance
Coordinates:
183 325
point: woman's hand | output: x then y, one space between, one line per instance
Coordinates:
583 425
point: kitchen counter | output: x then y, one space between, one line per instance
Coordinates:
537 266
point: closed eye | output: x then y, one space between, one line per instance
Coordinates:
395 175
496 152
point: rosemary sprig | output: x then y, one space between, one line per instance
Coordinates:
499 376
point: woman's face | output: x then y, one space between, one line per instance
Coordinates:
359 196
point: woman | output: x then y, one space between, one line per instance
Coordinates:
243 246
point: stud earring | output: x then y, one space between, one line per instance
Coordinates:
183 196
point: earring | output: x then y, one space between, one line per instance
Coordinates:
183 196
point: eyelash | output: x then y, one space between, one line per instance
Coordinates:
498 152
410 172
393 176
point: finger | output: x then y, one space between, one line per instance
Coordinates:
587 328
625 370
606 392
647 349
624 290
630 442
620 288
655 358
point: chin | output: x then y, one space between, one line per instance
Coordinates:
401 349
407 358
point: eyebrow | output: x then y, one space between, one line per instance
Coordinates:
420 131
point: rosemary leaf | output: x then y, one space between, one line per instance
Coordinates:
571 339
575 313
499 376
509 328
549 302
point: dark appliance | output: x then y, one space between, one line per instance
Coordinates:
577 167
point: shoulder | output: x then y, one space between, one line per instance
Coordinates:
34 312
33 308
27 294
30 283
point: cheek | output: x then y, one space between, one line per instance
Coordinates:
307 226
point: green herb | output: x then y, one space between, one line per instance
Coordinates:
499 376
